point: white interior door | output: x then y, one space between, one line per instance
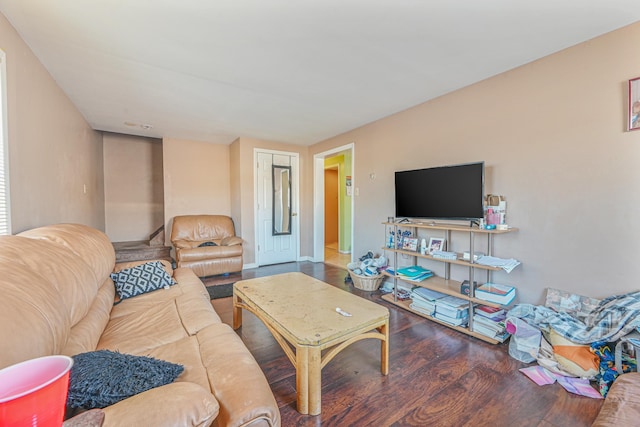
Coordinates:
275 249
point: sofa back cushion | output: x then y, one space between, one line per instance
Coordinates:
49 280
202 228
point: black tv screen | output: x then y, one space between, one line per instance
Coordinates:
445 192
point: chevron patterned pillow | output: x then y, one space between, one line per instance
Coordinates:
141 279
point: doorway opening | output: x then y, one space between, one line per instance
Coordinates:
333 206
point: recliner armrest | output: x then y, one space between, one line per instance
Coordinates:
231 240
185 244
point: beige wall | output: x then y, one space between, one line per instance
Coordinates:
53 153
133 187
552 134
196 179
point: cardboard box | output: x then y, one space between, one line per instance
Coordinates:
464 287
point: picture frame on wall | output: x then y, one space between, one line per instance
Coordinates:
634 104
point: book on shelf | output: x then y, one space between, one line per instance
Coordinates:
490 312
451 312
453 302
412 271
453 307
487 332
418 278
496 293
423 307
502 337
428 294
496 326
498 336
456 321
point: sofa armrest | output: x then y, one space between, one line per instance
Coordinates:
230 241
622 405
175 404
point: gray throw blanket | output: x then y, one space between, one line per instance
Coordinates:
612 319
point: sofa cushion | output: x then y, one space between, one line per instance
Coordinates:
210 253
175 404
102 378
141 279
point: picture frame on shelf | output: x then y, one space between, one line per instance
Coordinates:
410 244
436 244
634 104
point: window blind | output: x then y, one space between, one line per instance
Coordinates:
5 220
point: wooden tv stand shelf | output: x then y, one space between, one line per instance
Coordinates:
444 284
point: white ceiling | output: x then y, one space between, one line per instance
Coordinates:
296 71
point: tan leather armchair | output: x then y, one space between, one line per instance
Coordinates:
207 244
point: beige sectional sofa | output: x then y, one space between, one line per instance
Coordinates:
622 404
58 298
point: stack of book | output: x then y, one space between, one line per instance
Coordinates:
414 273
489 321
496 293
452 310
424 300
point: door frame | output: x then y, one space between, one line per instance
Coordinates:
295 208
318 198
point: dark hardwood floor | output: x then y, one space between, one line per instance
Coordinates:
437 376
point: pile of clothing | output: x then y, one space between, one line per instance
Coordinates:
368 265
597 345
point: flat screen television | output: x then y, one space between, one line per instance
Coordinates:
445 192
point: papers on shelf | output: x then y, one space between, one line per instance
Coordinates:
506 264
444 255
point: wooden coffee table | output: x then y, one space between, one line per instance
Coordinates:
300 312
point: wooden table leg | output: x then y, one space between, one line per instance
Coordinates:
315 380
302 379
384 349
237 312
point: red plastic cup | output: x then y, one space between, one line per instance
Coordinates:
34 392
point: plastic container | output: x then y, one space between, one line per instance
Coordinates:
34 392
